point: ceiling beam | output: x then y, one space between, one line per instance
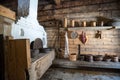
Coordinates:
57 2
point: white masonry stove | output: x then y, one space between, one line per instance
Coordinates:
29 27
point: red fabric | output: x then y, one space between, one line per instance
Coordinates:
83 37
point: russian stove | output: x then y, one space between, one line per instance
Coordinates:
29 27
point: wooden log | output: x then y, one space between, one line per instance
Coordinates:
57 2
7 12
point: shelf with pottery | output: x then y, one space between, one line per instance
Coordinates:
92 28
94 25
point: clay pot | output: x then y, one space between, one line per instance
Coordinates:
82 57
115 59
98 58
116 22
34 53
73 57
89 58
44 50
93 23
108 60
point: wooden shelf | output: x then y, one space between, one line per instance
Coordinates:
65 63
92 28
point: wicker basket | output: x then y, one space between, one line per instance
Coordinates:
73 57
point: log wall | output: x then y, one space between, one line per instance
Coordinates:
79 10
83 10
52 37
108 44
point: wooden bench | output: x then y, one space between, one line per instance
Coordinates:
65 63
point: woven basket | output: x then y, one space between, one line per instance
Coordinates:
73 57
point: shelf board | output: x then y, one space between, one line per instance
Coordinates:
93 28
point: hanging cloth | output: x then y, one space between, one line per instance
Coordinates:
66 46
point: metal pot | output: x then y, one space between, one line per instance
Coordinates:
44 50
98 58
115 59
34 52
89 57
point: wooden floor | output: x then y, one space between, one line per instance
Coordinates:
65 63
75 74
63 69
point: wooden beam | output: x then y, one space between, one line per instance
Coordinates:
57 2
7 12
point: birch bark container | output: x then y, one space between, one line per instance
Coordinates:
65 22
73 57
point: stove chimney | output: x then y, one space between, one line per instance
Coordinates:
33 9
